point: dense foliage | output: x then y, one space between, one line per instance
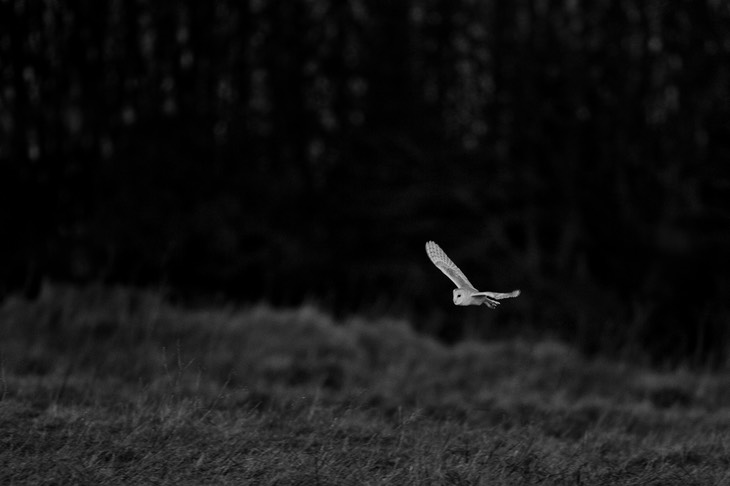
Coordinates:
308 148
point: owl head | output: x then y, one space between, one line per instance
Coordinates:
460 297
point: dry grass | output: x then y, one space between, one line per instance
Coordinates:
110 386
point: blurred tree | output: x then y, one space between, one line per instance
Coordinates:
307 149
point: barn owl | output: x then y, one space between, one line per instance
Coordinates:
465 293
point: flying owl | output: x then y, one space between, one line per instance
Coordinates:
465 293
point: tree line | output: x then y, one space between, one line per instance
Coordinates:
305 150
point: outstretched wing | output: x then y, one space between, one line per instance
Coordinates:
498 295
444 263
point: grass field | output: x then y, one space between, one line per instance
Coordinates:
111 386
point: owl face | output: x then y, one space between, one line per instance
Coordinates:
460 297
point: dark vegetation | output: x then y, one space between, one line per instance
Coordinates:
305 150
112 386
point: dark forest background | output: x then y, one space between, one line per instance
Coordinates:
305 150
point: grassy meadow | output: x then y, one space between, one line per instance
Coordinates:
113 386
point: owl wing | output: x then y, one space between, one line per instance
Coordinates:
444 263
498 295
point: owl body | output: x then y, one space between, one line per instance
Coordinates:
465 297
465 293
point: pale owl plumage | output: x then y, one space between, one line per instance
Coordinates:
465 293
